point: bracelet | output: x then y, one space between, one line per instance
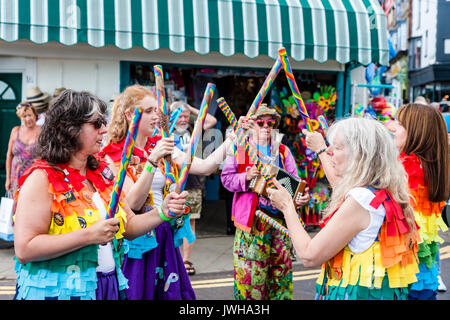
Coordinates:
152 163
149 167
321 150
161 214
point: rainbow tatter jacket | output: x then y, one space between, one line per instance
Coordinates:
428 217
73 274
147 242
383 271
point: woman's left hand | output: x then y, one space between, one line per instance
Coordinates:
303 199
175 203
279 197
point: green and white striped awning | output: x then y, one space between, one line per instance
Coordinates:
341 30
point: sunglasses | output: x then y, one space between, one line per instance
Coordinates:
270 123
22 105
98 123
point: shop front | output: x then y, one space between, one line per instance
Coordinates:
104 46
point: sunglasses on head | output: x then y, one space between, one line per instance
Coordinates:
22 105
98 123
270 123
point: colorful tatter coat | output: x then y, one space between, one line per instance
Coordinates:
384 271
428 217
147 242
73 274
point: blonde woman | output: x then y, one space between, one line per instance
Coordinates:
153 266
367 247
22 142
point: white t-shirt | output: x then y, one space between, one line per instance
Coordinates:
106 261
364 239
157 187
159 181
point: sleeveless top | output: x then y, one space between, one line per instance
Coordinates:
22 159
383 271
137 247
73 274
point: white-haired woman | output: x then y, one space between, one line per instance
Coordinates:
367 247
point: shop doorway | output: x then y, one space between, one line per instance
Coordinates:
10 97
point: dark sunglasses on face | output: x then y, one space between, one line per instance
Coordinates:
270 123
98 123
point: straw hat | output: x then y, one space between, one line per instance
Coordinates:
58 91
36 97
265 110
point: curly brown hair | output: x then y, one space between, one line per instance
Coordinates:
60 133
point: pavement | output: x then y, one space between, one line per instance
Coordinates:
212 251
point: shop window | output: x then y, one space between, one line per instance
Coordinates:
447 46
6 91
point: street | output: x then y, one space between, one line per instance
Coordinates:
219 285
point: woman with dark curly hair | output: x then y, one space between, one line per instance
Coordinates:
65 247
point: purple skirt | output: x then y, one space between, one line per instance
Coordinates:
160 274
107 286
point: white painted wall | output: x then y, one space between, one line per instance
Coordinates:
423 24
100 77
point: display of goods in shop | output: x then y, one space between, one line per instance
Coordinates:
378 109
326 98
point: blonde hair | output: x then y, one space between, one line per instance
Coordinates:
24 107
126 101
373 162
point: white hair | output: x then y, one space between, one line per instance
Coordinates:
373 161
179 104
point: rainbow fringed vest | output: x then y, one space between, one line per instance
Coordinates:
383 271
137 247
428 217
73 274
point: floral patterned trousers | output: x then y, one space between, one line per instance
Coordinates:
262 264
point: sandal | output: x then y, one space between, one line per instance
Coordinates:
189 268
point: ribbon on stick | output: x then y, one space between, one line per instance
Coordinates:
253 156
195 137
294 88
322 122
164 120
126 155
265 87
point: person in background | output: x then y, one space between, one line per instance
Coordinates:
368 242
261 254
421 136
40 101
58 91
66 247
153 264
195 185
22 142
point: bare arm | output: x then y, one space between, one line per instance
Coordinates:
137 192
9 157
315 142
33 216
350 219
138 225
209 165
210 120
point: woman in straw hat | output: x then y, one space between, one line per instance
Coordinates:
39 100
261 254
